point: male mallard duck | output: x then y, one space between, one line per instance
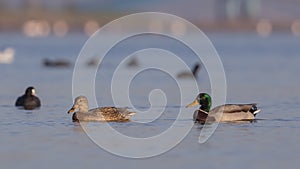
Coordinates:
231 112
188 74
98 114
29 100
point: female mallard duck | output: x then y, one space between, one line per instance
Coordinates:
29 100
231 112
98 114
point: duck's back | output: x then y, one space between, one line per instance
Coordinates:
233 108
233 112
104 114
112 113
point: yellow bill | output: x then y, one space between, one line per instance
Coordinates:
194 103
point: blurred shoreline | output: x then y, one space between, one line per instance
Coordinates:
15 20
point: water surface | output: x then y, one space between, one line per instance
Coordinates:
261 70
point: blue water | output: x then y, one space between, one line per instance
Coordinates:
261 70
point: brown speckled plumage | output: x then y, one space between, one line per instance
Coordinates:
98 114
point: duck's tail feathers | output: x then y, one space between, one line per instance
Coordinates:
126 112
131 113
257 111
254 110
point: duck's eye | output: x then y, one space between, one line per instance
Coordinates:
200 100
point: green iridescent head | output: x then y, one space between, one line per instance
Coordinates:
204 100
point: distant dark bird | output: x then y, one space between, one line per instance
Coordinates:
133 63
188 74
93 62
56 63
29 100
82 112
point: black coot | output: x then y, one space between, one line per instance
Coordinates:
29 101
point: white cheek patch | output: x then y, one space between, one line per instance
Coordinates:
33 91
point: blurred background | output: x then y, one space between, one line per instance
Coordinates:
60 17
258 42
